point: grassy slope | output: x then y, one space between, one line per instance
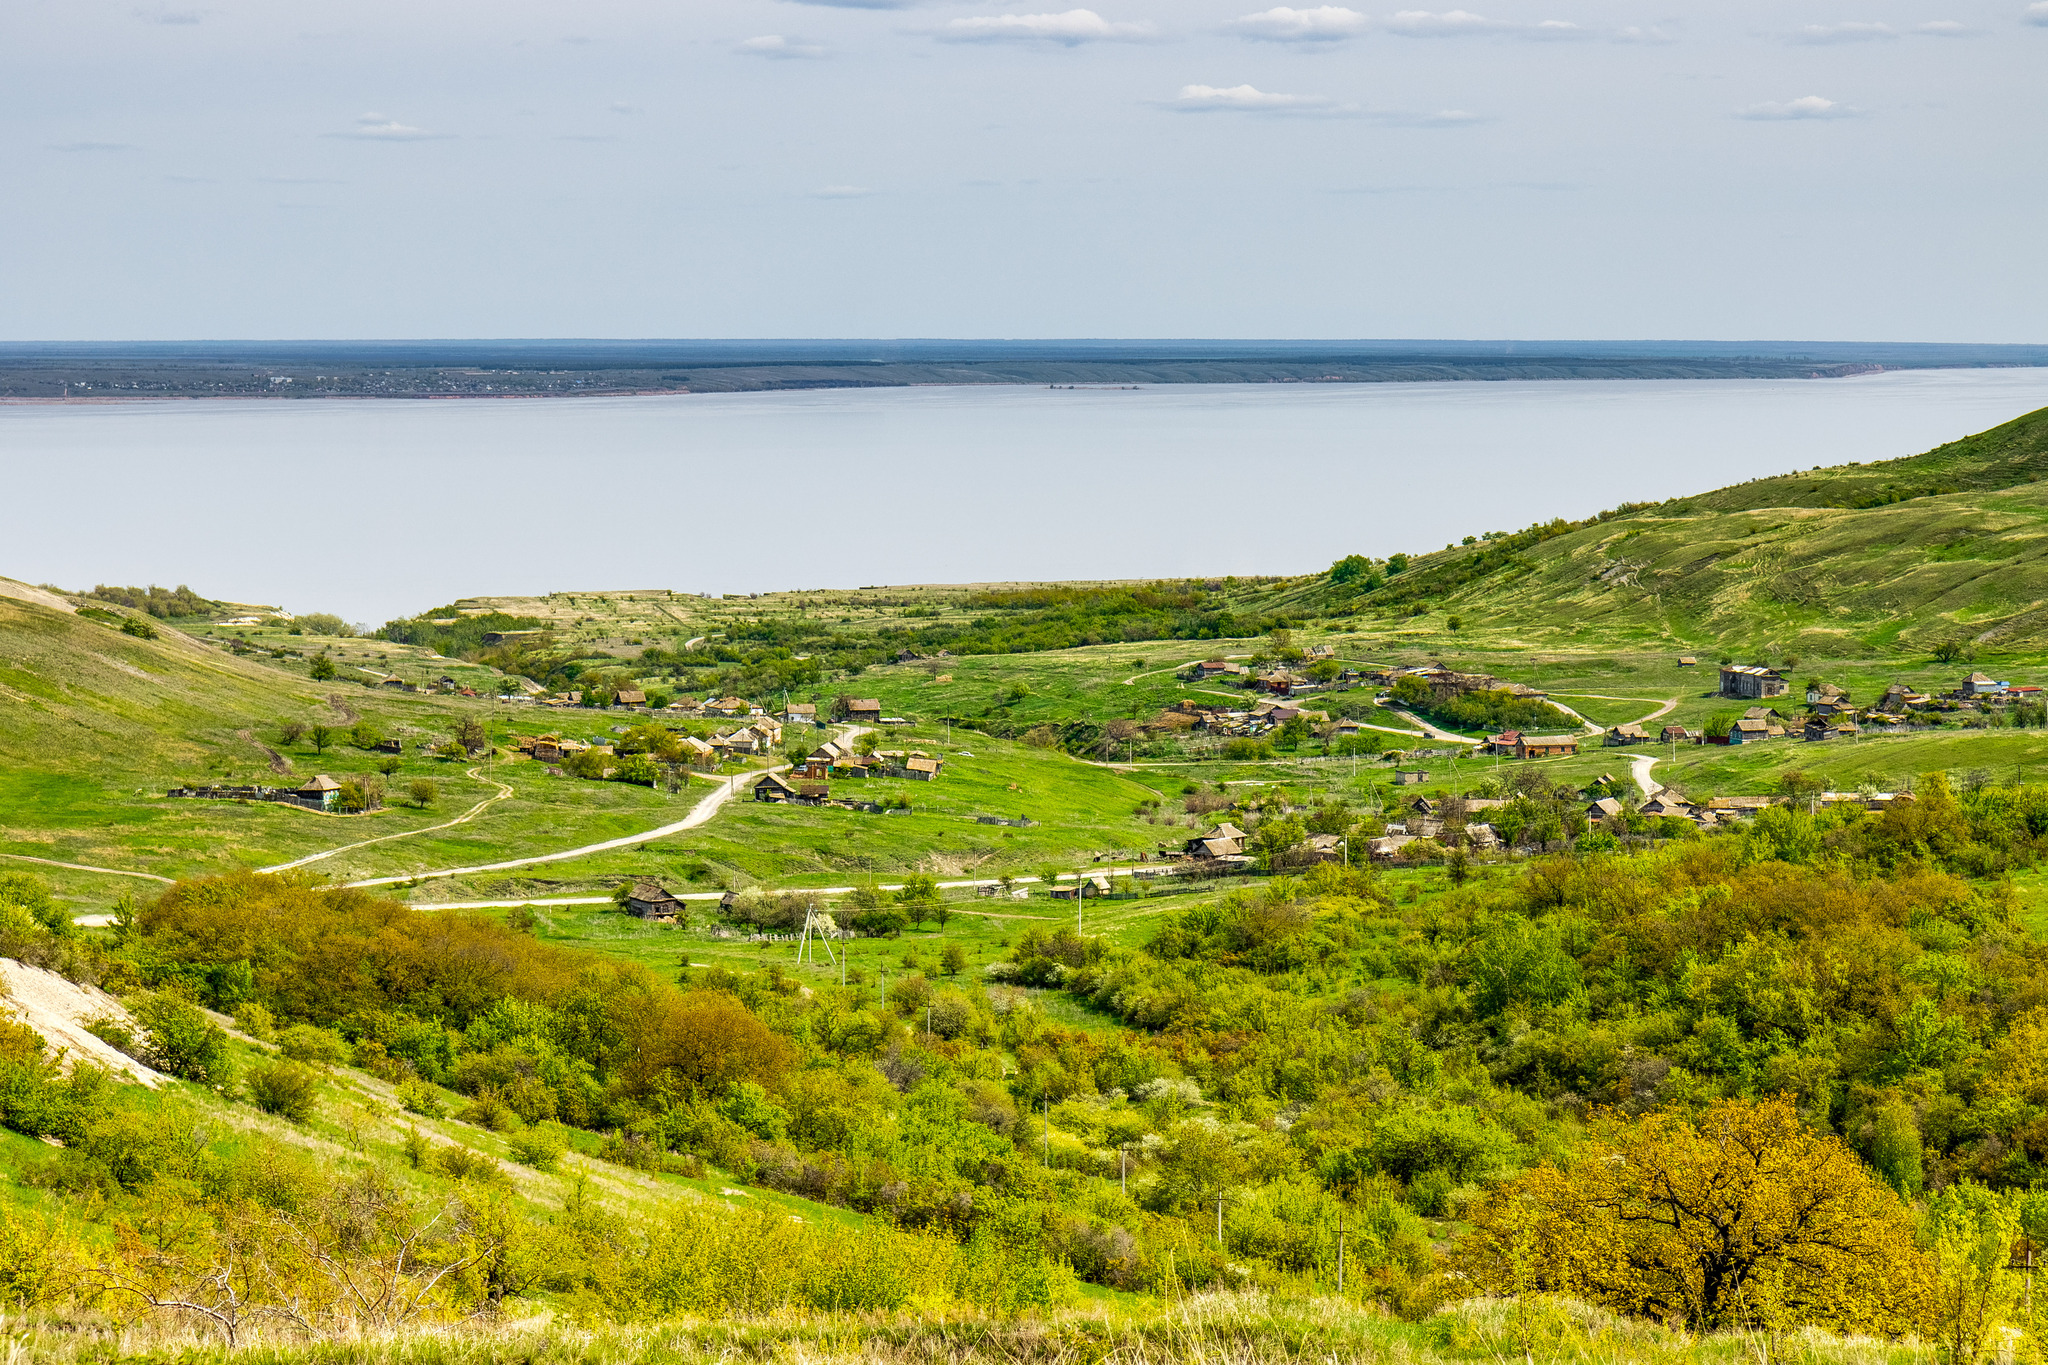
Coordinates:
96 725
1788 563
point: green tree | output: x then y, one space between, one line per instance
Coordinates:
389 766
1275 837
323 668
423 792
919 897
366 735
139 628
1972 1232
290 732
952 959
1350 569
321 736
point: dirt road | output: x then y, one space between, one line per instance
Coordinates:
699 814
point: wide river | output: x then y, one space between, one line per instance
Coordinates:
380 508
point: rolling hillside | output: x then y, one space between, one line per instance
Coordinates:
1951 544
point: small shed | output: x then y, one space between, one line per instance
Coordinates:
631 696
864 711
773 788
921 769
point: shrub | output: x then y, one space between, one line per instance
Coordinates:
489 1110
539 1147
256 1021
179 1040
423 792
284 1088
417 1097
314 1046
460 1163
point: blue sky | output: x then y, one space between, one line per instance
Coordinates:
1827 169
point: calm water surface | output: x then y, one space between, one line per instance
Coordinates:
374 509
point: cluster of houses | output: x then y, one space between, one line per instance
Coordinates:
1279 682
1258 719
318 793
1830 711
809 783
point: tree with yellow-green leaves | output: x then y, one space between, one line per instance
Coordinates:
1740 1217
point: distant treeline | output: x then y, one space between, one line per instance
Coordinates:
160 602
462 637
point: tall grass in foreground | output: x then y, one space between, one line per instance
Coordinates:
1210 1329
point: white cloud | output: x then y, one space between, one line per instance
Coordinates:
1941 28
378 128
1805 107
2037 13
779 46
1849 32
841 192
1198 99
1422 23
1459 23
1070 29
861 4
1324 24
621 107
1249 99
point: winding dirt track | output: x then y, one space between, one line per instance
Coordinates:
462 819
278 762
83 867
698 815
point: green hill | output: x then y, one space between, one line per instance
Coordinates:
1945 545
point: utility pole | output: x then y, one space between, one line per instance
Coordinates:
1219 1220
1123 1178
1047 1103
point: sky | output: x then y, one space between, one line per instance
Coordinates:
1839 169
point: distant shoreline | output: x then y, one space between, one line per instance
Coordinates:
1542 373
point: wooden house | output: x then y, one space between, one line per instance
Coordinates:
1676 734
650 900
800 713
774 788
864 711
631 696
1630 733
1668 803
1606 808
1752 680
921 769
320 792
1546 746
1224 841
